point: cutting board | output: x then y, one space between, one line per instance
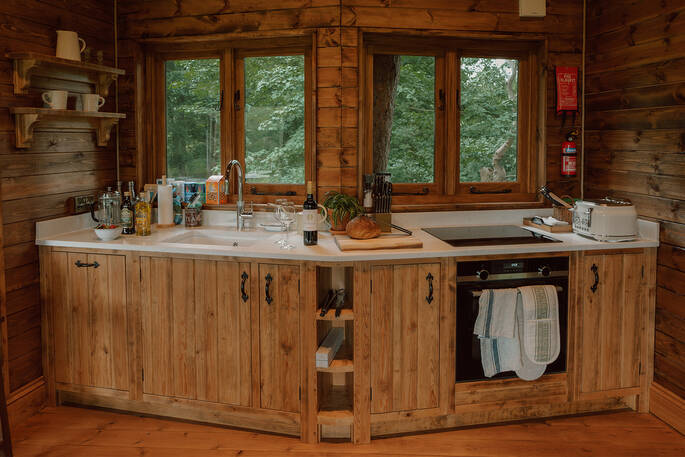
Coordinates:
346 243
548 228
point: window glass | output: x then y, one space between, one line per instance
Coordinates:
274 119
404 98
489 120
193 118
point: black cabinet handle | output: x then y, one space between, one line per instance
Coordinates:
268 278
594 269
80 264
243 294
429 298
475 190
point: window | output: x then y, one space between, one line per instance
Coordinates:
246 103
193 117
453 121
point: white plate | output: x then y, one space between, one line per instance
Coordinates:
272 227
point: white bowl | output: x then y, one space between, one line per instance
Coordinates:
108 234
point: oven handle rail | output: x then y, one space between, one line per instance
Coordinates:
478 293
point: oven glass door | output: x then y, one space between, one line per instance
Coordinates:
468 361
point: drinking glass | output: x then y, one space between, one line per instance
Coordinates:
286 215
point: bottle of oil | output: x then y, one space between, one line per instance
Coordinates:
143 215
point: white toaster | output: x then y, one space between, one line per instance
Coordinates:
605 219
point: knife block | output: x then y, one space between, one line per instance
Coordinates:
384 220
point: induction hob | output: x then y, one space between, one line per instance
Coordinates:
488 235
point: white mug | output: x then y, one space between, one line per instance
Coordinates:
91 102
55 99
68 45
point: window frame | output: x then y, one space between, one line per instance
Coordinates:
530 142
232 139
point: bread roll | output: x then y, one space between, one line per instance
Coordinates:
363 228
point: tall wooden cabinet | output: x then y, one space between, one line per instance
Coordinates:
405 337
279 336
613 323
196 322
88 312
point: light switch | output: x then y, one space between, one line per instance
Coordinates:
532 8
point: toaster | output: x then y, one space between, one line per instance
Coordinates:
605 219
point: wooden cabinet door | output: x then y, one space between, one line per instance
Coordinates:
88 301
612 303
279 336
405 334
196 329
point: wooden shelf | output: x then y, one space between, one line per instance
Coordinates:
336 407
343 362
345 315
27 118
27 64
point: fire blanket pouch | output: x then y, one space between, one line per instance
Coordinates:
567 89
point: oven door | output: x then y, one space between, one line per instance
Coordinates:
468 361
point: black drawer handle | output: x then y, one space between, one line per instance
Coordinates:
243 294
475 190
80 264
268 278
429 298
594 269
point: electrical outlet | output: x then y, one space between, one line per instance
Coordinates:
82 203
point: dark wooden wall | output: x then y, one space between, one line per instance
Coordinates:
337 23
36 183
636 143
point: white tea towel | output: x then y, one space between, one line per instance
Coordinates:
496 313
527 370
497 331
540 323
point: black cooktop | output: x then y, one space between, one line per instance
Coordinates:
488 235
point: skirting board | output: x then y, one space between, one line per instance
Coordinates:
26 402
667 406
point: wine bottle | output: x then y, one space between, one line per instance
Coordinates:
310 218
127 215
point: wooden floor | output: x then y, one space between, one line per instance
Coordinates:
77 432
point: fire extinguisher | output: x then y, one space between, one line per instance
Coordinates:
568 154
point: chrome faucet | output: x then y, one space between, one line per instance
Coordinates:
241 214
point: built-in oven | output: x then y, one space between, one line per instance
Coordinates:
475 276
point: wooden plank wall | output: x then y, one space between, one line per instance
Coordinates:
337 23
35 183
635 141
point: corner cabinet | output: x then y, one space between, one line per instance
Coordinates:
408 352
615 319
86 307
196 329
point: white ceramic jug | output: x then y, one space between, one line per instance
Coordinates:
91 102
68 45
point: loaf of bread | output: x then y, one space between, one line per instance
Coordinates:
363 228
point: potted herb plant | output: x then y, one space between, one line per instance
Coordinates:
341 208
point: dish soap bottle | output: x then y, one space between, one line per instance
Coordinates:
143 215
127 219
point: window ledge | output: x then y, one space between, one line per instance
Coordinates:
467 206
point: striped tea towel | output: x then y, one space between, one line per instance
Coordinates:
496 313
540 336
496 328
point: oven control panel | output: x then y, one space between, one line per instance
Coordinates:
512 268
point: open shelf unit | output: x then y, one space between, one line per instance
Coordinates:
335 383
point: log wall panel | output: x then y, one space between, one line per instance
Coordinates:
635 141
36 183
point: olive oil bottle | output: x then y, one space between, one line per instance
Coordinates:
143 215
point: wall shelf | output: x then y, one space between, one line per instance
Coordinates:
335 408
27 118
27 64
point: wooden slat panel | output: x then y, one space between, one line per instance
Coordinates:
428 353
61 314
182 346
404 337
80 324
634 298
101 324
381 339
156 306
206 330
591 342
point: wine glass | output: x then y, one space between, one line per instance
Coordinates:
279 202
286 215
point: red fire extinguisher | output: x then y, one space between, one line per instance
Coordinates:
568 154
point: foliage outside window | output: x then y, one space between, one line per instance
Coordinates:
193 117
274 119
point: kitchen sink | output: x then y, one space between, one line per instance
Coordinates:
216 238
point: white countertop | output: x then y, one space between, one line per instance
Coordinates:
76 232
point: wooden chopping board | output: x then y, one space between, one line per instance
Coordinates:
345 243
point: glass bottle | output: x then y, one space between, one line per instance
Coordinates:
143 216
127 215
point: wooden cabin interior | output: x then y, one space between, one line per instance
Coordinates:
630 123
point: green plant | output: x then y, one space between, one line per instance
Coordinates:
342 205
